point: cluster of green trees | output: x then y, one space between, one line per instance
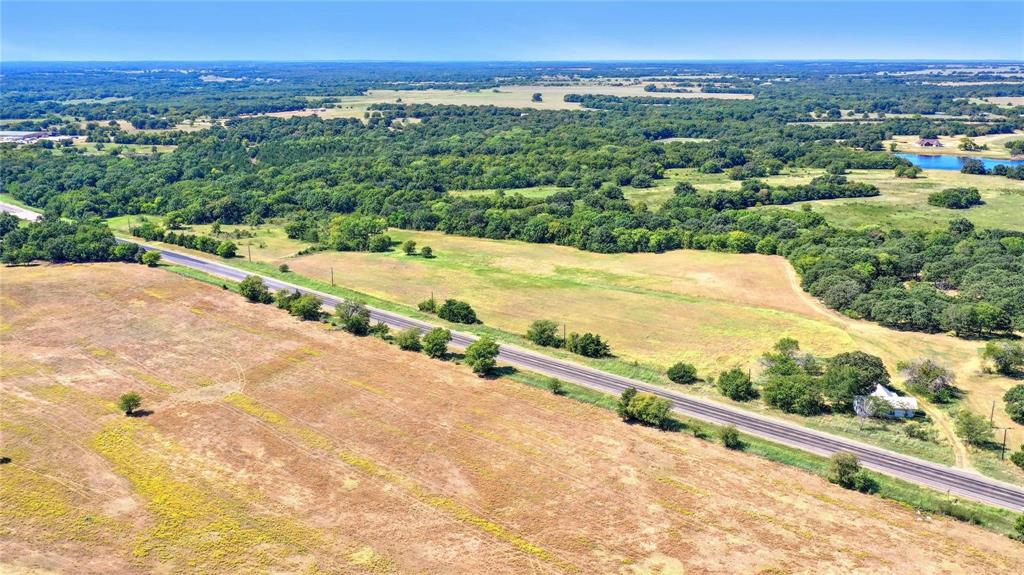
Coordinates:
845 471
357 234
53 239
409 249
930 379
754 192
154 233
956 198
801 383
898 279
645 408
973 166
434 343
1005 357
303 306
545 332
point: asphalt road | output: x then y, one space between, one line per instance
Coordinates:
957 482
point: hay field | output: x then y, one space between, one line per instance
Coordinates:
276 446
504 96
713 310
1006 100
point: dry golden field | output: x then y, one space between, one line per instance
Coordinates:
275 446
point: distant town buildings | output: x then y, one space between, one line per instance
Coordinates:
18 137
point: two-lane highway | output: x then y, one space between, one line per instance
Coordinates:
943 478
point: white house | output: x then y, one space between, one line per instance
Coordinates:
902 406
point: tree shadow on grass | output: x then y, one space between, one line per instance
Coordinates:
140 413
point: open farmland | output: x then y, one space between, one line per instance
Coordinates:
995 142
553 98
711 309
276 446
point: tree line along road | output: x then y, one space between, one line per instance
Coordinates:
937 476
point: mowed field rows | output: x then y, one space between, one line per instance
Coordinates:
271 445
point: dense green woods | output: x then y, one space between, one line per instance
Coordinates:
59 241
341 183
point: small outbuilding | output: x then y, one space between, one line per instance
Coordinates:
929 143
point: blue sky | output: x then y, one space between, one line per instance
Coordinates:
533 30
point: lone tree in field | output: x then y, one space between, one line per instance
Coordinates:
354 317
409 248
129 402
427 252
409 339
457 311
482 355
587 345
972 428
1006 357
151 258
253 289
306 308
227 249
435 342
844 470
645 408
730 437
683 373
736 385
428 305
544 332
929 378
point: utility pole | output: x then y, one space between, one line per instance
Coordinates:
332 275
563 333
250 252
992 414
1002 452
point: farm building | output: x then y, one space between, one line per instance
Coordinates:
902 406
17 137
929 143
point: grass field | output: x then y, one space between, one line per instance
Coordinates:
995 142
711 309
553 98
271 445
268 241
903 202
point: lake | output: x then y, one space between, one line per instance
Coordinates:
937 162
